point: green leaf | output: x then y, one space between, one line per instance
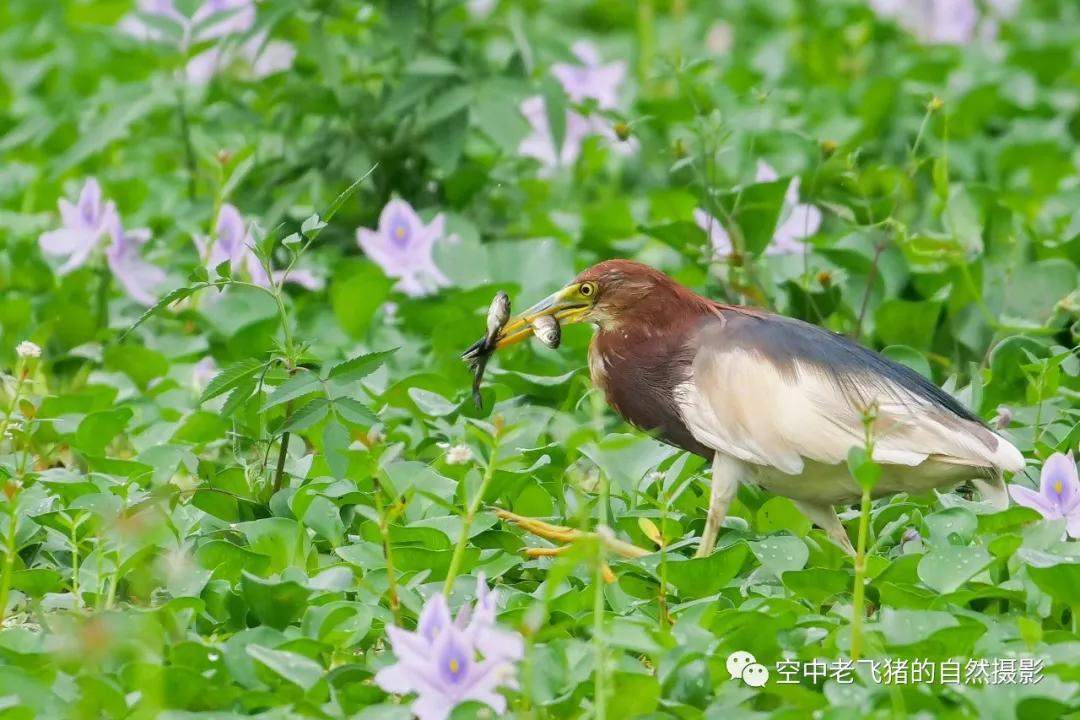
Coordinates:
230 377
781 553
274 602
97 429
172 297
295 668
702 577
946 569
359 367
907 322
304 382
336 448
306 416
355 412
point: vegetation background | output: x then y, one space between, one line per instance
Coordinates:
220 511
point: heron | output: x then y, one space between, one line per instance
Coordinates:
767 399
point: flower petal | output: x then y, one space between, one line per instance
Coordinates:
432 706
803 222
1058 482
765 173
1029 498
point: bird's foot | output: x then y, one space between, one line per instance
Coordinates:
564 536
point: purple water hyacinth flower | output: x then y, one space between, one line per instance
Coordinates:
1058 495
718 237
798 221
139 279
234 243
945 22
85 224
593 79
541 143
262 58
213 20
446 662
402 246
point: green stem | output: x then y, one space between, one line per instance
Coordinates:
104 278
21 373
185 138
470 516
384 531
9 558
75 564
600 682
858 611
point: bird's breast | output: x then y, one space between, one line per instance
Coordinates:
638 375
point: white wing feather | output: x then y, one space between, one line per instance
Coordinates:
741 404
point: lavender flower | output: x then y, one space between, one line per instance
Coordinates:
213 20
541 143
592 79
233 243
89 222
84 225
138 278
1003 417
447 662
798 221
945 22
402 246
1059 492
718 237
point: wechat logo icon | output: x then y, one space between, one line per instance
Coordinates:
744 666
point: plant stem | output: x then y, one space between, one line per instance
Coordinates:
104 277
384 531
9 557
600 682
858 611
22 371
75 564
185 137
470 516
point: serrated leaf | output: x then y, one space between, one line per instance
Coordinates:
175 296
307 416
230 377
358 367
303 383
355 411
335 448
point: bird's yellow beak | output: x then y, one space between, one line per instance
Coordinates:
567 306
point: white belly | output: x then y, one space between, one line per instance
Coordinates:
833 484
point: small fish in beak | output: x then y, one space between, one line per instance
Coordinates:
547 330
479 352
497 317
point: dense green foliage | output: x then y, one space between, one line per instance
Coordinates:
183 535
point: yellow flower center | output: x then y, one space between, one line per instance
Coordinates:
454 666
1057 487
400 232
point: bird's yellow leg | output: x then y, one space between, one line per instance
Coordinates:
725 480
563 535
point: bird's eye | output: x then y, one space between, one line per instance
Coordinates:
587 289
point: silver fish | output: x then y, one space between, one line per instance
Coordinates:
548 330
498 315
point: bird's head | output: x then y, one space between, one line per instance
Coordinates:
606 294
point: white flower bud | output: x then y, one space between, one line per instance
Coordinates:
27 349
459 455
